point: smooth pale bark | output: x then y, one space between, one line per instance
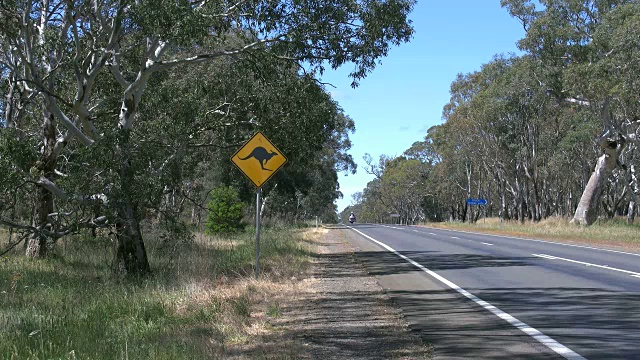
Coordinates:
633 184
37 243
587 211
519 194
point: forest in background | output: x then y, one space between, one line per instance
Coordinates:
552 132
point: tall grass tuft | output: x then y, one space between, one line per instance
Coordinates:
197 302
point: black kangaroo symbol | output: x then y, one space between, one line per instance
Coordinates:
262 155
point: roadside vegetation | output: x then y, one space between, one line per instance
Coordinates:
117 123
612 233
201 302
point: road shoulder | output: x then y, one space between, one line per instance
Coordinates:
343 313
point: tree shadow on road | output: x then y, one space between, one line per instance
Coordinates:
386 263
601 323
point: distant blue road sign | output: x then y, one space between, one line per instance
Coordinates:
476 201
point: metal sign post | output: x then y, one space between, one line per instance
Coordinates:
258 159
258 200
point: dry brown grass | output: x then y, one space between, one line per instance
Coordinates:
201 302
260 337
611 233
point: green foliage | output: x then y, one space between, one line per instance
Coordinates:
274 310
225 211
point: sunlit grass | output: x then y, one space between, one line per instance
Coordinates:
614 232
198 302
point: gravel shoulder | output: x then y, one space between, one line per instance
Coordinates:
343 313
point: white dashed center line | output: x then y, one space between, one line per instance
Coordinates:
487 244
607 267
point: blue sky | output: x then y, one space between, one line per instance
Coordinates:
395 105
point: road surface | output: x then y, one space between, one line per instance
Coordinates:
493 297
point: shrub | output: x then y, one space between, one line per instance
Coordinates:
225 211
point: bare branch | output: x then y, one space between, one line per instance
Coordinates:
52 188
159 65
11 246
55 109
581 102
114 67
201 145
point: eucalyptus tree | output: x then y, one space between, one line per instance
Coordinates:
404 186
102 43
458 141
584 47
227 111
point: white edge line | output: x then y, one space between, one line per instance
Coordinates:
534 333
537 240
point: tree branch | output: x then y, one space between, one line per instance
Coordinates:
161 65
11 246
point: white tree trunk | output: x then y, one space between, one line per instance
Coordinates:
633 184
587 211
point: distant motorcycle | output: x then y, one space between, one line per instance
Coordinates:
352 218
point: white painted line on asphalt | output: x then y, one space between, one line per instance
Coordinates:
487 244
392 227
432 234
455 237
549 257
534 333
544 241
638 276
544 256
416 231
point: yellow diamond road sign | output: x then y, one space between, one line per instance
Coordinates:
258 159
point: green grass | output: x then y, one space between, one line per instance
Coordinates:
70 306
614 232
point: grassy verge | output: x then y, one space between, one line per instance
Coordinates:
201 302
613 233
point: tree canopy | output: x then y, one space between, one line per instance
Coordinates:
121 113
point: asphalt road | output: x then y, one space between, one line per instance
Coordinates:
492 297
